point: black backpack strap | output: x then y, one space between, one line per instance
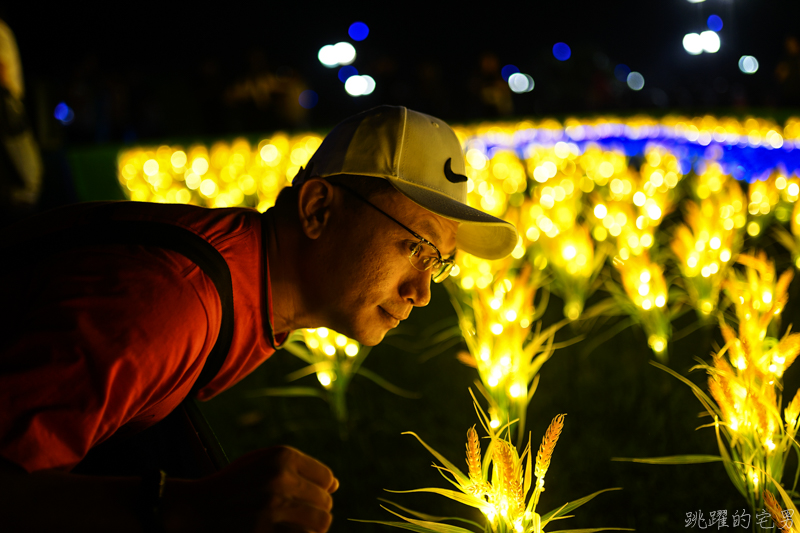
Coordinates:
158 234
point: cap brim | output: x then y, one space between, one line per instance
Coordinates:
479 233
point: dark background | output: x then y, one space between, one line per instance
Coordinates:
149 73
143 72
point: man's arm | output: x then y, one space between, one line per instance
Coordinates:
271 490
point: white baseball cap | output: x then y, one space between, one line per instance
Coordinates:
421 157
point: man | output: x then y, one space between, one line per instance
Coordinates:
102 339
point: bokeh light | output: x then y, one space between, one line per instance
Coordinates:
346 71
63 113
358 31
748 64
333 55
714 23
308 99
561 51
520 83
635 81
710 41
621 72
507 71
345 53
693 44
359 85
327 56
355 86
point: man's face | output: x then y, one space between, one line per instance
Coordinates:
370 284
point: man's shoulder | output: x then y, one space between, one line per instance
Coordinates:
214 225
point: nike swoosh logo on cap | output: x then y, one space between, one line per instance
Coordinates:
451 176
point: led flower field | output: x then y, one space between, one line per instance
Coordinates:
655 214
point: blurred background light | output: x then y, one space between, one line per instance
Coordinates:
561 51
693 44
621 72
358 31
520 83
359 85
370 85
748 64
714 23
635 81
347 71
345 53
308 99
327 56
63 113
710 41
507 71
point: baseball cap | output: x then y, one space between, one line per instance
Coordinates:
421 157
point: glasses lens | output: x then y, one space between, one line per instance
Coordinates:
422 257
442 272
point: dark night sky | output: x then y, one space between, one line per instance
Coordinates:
167 46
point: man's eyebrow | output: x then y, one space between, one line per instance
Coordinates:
431 230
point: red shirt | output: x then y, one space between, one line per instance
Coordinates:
97 338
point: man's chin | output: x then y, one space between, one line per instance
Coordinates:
372 338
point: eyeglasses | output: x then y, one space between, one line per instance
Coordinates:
420 256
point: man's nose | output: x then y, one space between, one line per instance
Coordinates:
416 289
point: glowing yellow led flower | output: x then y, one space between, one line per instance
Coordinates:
498 484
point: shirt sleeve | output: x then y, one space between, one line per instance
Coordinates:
98 340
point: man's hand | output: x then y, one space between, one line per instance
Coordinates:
272 490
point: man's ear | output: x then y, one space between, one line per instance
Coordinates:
314 202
